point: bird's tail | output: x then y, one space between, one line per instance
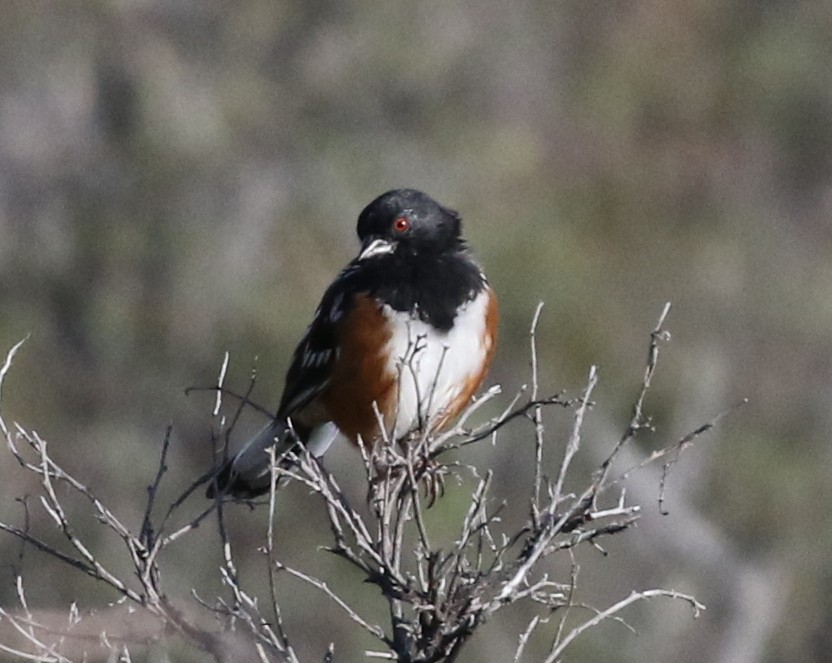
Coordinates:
248 474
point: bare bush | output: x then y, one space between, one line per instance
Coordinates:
436 598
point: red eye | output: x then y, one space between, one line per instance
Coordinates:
401 224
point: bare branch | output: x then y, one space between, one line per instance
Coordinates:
436 597
638 420
538 420
615 609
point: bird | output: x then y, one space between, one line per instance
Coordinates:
402 337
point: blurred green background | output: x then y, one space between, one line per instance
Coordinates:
181 179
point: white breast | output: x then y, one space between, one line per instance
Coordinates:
433 365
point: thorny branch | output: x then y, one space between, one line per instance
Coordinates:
436 597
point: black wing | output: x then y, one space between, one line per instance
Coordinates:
317 352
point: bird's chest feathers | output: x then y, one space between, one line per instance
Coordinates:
432 364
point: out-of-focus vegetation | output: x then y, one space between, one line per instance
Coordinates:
182 179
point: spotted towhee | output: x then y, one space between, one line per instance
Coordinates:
409 325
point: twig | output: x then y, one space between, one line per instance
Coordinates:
220 382
575 437
7 364
243 399
538 419
637 421
614 609
322 586
146 534
524 637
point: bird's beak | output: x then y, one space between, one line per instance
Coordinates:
376 247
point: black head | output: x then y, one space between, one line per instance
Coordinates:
407 221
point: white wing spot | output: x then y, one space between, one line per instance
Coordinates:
316 358
336 308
